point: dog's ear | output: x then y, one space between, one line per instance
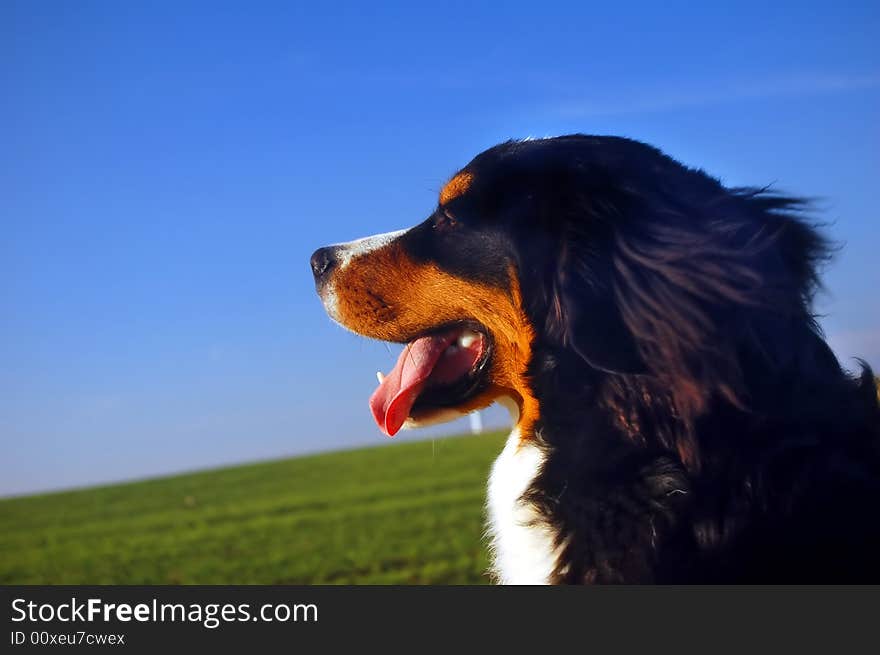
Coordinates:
589 322
697 287
675 292
584 314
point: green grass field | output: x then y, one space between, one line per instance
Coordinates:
408 512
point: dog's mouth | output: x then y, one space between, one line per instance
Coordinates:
437 370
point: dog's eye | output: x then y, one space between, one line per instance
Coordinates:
443 220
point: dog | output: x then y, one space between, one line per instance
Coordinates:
679 417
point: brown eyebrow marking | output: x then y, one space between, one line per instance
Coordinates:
456 187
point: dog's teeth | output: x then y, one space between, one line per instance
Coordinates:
380 376
467 338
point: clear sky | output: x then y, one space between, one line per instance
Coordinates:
167 168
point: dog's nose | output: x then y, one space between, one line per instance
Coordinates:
323 260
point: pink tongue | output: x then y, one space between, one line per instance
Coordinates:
393 400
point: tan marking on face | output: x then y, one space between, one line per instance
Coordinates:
456 187
388 296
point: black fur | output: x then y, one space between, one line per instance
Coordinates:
697 426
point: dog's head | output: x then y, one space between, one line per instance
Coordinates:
598 248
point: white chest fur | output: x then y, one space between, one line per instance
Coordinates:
522 550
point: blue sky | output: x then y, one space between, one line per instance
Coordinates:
167 168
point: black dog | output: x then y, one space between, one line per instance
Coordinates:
679 417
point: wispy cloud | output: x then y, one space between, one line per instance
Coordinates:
682 96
